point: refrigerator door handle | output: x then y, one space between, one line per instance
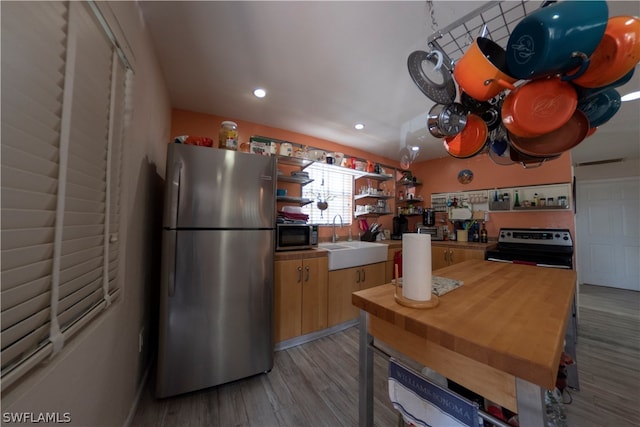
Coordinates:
175 194
171 265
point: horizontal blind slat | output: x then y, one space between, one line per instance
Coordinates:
20 257
44 146
23 180
79 205
29 162
83 248
83 192
18 276
75 176
93 166
11 239
80 308
13 219
83 218
19 330
80 231
15 314
13 296
15 199
28 344
75 276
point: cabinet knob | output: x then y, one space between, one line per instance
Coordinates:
300 274
358 276
363 275
451 255
307 270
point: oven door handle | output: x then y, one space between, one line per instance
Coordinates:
506 261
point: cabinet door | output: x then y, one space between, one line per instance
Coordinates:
459 255
288 299
372 275
342 283
314 294
390 269
439 257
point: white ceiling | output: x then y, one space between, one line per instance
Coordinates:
327 65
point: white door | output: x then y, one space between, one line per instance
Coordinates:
608 232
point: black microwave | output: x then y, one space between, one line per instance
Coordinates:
296 236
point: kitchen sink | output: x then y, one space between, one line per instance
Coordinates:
353 254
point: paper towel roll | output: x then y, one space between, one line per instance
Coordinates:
416 266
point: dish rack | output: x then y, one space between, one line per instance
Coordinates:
494 20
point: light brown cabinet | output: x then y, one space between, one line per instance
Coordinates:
300 297
443 256
389 268
342 283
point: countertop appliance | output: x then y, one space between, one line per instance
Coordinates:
291 237
435 232
429 217
542 247
216 290
400 226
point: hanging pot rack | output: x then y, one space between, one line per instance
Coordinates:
494 20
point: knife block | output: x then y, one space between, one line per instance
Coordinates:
368 236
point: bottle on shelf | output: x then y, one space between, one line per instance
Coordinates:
516 202
535 199
483 233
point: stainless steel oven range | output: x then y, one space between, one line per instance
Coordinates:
542 247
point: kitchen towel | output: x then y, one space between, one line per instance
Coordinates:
439 285
416 266
423 403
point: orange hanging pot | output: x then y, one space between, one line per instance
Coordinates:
482 70
539 107
616 55
470 141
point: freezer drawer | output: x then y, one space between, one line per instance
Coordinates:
216 315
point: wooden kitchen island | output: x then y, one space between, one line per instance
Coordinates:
500 335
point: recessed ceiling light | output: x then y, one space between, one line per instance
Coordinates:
414 148
260 93
359 126
631 96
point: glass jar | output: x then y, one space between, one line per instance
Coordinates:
228 136
562 201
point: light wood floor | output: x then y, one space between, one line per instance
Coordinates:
608 359
316 384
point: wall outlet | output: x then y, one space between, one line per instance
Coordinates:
140 339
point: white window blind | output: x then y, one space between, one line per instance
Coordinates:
63 92
332 185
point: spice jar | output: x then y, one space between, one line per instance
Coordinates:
228 136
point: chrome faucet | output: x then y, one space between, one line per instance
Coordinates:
334 236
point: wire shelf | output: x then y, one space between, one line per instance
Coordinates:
500 18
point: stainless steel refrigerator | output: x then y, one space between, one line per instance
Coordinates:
216 293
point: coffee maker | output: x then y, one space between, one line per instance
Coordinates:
429 217
400 226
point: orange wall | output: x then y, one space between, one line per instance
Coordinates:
438 176
441 175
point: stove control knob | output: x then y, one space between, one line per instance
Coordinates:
565 238
557 236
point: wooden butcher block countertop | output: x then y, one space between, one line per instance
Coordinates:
510 317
